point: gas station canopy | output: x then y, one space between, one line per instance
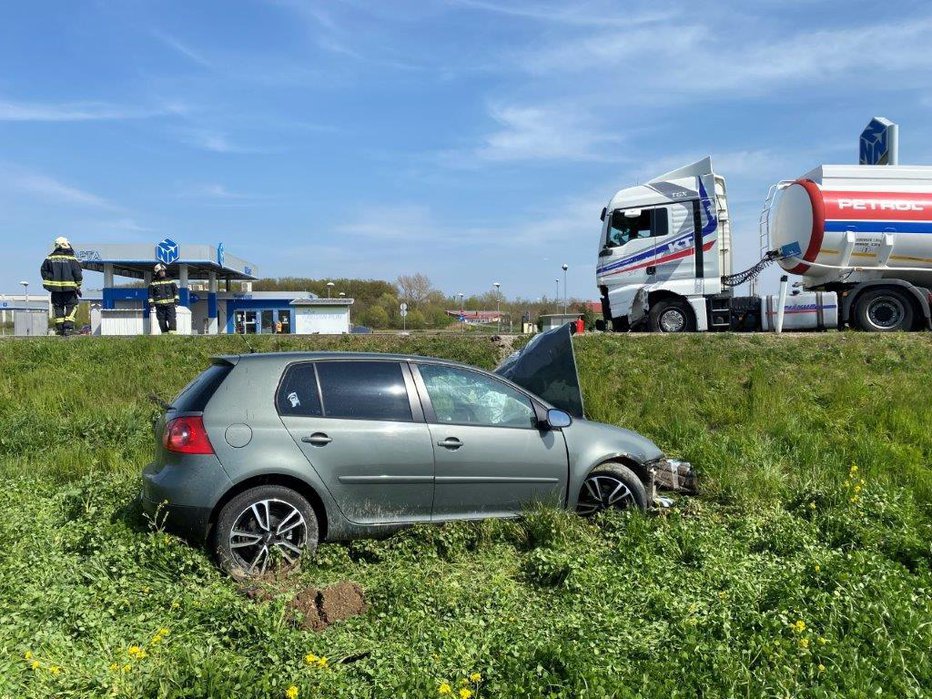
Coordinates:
134 260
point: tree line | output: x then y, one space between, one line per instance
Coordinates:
376 303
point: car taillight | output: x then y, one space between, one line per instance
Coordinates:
186 435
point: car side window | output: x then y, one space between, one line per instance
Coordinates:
297 392
464 397
364 391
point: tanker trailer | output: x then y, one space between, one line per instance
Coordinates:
863 232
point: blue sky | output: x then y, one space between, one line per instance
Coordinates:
471 140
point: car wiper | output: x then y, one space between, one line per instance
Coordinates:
159 402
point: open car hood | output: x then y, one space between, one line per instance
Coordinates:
547 367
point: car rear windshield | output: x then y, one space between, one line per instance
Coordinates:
193 397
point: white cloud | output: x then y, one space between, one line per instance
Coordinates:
584 16
78 111
51 190
182 49
216 142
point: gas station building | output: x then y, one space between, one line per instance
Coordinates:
214 290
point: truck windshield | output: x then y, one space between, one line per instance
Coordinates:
624 228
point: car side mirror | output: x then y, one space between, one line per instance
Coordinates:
558 419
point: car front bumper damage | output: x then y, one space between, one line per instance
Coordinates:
670 475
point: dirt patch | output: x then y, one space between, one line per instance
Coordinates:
315 609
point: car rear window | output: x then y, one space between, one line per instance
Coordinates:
364 391
194 397
297 393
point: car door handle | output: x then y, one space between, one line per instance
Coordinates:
450 443
318 439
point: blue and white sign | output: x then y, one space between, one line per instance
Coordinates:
195 298
247 270
167 251
220 254
879 143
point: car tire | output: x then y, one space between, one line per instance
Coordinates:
671 316
269 527
611 486
884 310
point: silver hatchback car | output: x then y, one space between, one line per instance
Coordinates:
264 455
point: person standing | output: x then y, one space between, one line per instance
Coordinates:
163 298
62 277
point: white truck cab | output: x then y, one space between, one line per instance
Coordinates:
664 248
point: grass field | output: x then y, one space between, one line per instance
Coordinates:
804 569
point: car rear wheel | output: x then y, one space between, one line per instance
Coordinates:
611 486
265 528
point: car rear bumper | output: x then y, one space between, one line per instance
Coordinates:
191 523
179 498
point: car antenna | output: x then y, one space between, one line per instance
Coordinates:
248 346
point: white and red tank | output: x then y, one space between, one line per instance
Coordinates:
853 223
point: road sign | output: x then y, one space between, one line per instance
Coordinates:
404 311
879 143
404 307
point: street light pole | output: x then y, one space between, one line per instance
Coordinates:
26 292
565 267
329 287
498 303
557 298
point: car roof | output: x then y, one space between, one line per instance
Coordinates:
309 356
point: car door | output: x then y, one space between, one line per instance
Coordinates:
490 457
362 429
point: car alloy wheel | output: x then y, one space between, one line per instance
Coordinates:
601 492
611 486
264 530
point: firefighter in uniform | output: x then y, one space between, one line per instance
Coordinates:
163 297
61 275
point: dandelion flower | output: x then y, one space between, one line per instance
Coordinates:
136 652
854 468
811 505
114 667
292 692
310 658
35 665
475 677
818 568
127 667
322 663
821 667
465 693
822 640
28 655
445 688
804 643
54 669
799 626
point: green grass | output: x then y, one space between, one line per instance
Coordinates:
704 599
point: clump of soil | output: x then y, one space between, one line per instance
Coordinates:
315 609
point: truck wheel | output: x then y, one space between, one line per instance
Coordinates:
264 528
884 310
671 316
611 485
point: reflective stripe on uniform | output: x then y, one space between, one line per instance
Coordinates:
59 320
162 281
62 257
61 285
165 302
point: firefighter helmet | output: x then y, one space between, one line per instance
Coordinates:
159 268
62 242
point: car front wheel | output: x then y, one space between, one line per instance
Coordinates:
264 528
611 486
